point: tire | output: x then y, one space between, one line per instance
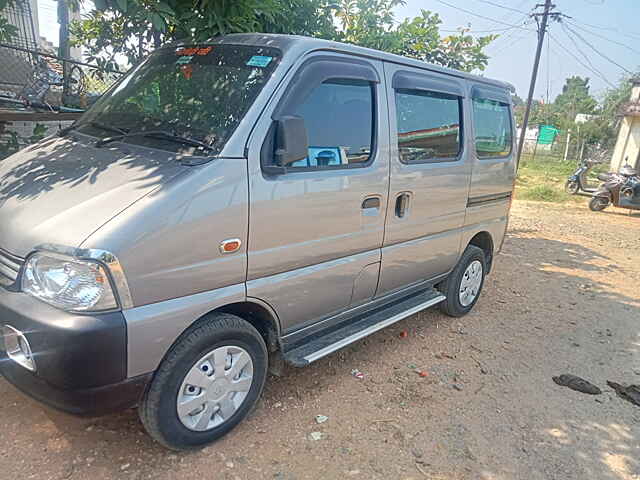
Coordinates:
571 187
219 332
597 204
450 288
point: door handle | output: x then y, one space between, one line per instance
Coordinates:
371 202
402 204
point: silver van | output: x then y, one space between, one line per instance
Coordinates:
254 201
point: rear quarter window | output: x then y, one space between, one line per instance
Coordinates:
493 128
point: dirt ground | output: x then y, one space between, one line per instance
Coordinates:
563 298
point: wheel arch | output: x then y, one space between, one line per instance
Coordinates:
260 315
484 241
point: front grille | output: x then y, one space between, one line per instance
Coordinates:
9 267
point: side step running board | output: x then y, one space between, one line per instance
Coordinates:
357 328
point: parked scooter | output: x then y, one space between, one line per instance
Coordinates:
619 189
578 180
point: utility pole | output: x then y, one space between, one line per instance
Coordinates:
64 48
542 28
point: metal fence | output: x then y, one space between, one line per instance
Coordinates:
35 77
574 151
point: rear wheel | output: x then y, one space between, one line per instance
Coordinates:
463 286
209 382
597 204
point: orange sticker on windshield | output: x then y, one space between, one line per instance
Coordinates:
194 51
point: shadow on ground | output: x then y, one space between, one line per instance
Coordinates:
549 307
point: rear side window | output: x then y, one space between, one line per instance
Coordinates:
338 116
428 126
493 130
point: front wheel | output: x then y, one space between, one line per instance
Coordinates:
209 381
597 204
571 187
463 286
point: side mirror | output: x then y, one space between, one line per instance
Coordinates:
291 140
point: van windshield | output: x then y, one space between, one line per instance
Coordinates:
198 92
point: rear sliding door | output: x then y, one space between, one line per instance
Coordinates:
430 172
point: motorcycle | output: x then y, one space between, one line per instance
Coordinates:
617 189
578 180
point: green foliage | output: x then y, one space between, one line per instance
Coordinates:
543 193
599 132
134 27
370 23
460 51
603 129
575 98
542 179
614 98
15 142
7 31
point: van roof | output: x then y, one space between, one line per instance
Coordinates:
301 45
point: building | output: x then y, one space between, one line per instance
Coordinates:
627 150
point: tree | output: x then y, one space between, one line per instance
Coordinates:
603 130
575 98
614 98
599 131
134 27
371 23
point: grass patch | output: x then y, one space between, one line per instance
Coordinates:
543 178
543 193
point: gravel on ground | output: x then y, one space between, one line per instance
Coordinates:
564 297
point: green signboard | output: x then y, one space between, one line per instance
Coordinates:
547 134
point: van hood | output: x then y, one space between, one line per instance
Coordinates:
61 190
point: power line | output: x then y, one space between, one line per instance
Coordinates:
548 70
605 38
509 16
502 40
596 50
509 45
475 31
577 59
480 16
575 44
610 29
488 2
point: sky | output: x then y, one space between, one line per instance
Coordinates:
601 23
512 55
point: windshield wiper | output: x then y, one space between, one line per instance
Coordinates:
95 124
157 133
108 128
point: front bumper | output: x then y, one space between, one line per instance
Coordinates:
81 360
88 401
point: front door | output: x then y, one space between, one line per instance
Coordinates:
315 232
430 173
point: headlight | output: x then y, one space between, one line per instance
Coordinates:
68 283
